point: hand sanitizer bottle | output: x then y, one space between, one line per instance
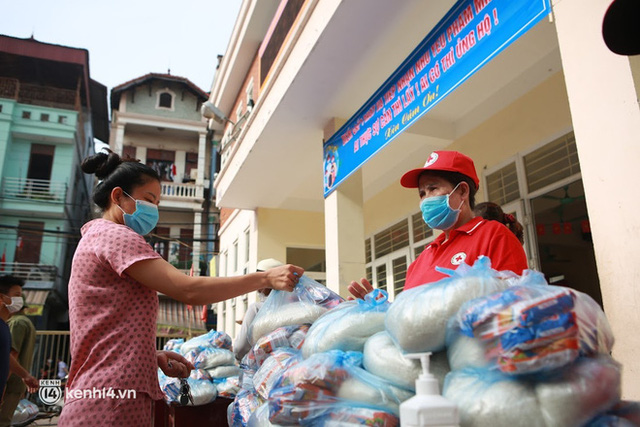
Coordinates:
427 407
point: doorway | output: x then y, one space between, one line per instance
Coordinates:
29 242
40 166
389 272
563 239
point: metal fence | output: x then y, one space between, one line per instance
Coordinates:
54 346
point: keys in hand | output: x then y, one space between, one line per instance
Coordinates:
185 393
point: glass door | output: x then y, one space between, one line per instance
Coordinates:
563 238
389 272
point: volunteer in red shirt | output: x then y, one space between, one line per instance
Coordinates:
447 185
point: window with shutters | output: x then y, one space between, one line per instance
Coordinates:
393 238
502 185
552 162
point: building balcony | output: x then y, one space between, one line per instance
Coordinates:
26 93
34 190
30 272
187 192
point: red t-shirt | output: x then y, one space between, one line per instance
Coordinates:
476 237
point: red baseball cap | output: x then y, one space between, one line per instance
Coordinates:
451 161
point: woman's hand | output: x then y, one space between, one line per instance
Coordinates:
173 364
359 290
283 278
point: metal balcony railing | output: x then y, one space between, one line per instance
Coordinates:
30 271
41 190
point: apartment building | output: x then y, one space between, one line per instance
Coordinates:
50 112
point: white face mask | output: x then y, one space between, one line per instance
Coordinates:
16 304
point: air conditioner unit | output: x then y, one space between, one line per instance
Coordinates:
193 174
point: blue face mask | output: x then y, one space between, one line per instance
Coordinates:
437 213
143 219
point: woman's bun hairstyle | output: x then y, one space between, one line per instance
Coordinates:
101 164
113 171
493 211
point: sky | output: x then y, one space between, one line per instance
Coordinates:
128 39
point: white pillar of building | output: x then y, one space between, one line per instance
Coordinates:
202 157
344 234
606 120
197 235
141 154
119 139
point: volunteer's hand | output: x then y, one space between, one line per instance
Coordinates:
32 383
359 290
173 364
284 278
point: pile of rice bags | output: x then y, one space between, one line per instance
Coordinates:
514 350
216 372
274 356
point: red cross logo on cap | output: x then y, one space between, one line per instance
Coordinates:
458 258
432 159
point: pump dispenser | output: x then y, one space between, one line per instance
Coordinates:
427 407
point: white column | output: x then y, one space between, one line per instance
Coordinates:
141 154
180 161
197 234
606 120
344 234
202 157
119 140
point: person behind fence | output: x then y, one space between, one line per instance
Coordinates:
493 211
63 369
447 185
23 339
47 369
113 299
241 344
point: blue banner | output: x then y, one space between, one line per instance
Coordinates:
469 36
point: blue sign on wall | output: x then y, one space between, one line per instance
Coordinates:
469 36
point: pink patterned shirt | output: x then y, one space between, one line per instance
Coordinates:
112 317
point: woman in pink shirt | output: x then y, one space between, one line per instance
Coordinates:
113 302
